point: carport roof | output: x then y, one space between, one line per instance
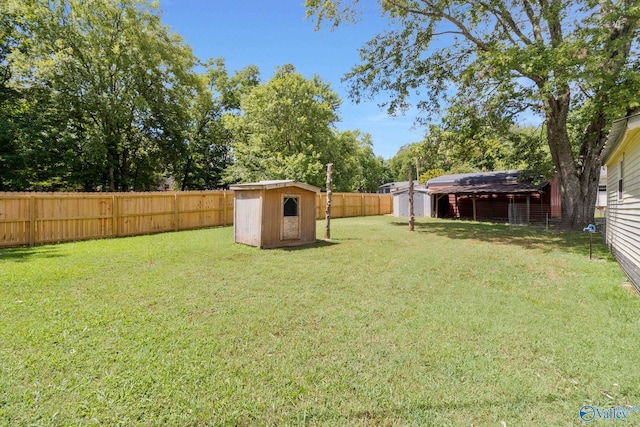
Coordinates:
477 178
497 188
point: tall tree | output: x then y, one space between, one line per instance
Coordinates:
356 166
285 129
573 62
425 155
208 139
123 82
30 157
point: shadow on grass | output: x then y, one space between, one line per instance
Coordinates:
317 245
376 416
528 237
25 254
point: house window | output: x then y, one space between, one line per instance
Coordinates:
291 206
621 179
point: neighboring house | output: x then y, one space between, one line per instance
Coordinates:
494 196
621 155
390 187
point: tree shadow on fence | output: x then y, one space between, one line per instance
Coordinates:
27 253
526 236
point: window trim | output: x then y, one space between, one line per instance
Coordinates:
621 179
288 220
296 200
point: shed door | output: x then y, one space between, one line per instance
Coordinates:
290 218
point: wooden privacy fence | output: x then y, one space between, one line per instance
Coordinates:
345 205
37 218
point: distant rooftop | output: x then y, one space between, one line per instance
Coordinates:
391 187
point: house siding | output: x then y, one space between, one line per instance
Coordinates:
623 215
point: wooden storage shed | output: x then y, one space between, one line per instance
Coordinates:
621 155
421 203
275 214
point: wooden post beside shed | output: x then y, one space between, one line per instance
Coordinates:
275 214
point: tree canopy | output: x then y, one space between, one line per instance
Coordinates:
284 130
101 96
118 82
287 130
572 63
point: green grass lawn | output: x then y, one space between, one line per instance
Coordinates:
457 324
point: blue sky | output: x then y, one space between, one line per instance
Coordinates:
270 33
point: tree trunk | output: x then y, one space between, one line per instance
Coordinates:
185 177
578 181
327 211
412 218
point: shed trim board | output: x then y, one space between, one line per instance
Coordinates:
621 155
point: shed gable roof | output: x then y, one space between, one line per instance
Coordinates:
406 190
398 185
269 185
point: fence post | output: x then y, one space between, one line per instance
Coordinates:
32 221
114 210
224 207
176 214
344 205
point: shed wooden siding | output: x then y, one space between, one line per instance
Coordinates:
248 212
272 215
623 215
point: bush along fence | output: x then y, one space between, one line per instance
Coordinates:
39 218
